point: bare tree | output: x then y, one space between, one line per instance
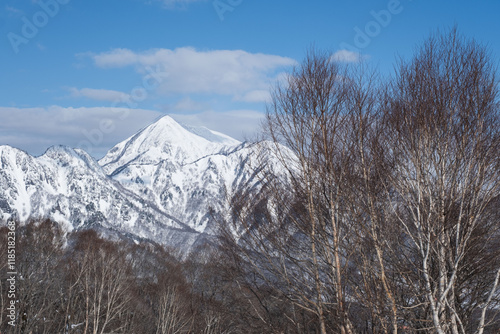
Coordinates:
298 223
380 198
39 249
103 279
373 238
443 134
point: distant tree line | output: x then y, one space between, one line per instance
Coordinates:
376 210
80 282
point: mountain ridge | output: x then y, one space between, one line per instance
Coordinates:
161 184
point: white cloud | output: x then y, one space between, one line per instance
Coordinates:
260 95
347 56
98 129
114 58
99 94
95 130
235 73
172 4
13 11
41 47
187 104
239 124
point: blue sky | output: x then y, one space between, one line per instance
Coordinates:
91 73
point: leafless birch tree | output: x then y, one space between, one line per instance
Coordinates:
443 134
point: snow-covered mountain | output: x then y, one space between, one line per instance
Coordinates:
164 184
184 171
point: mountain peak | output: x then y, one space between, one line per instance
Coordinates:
166 128
167 139
162 184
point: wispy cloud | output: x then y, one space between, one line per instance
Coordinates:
187 104
36 129
97 129
347 56
239 124
13 11
261 95
178 4
41 47
99 94
236 73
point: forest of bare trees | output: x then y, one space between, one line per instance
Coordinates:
377 210
382 212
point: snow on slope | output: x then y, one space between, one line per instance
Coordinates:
69 187
162 184
166 139
185 171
